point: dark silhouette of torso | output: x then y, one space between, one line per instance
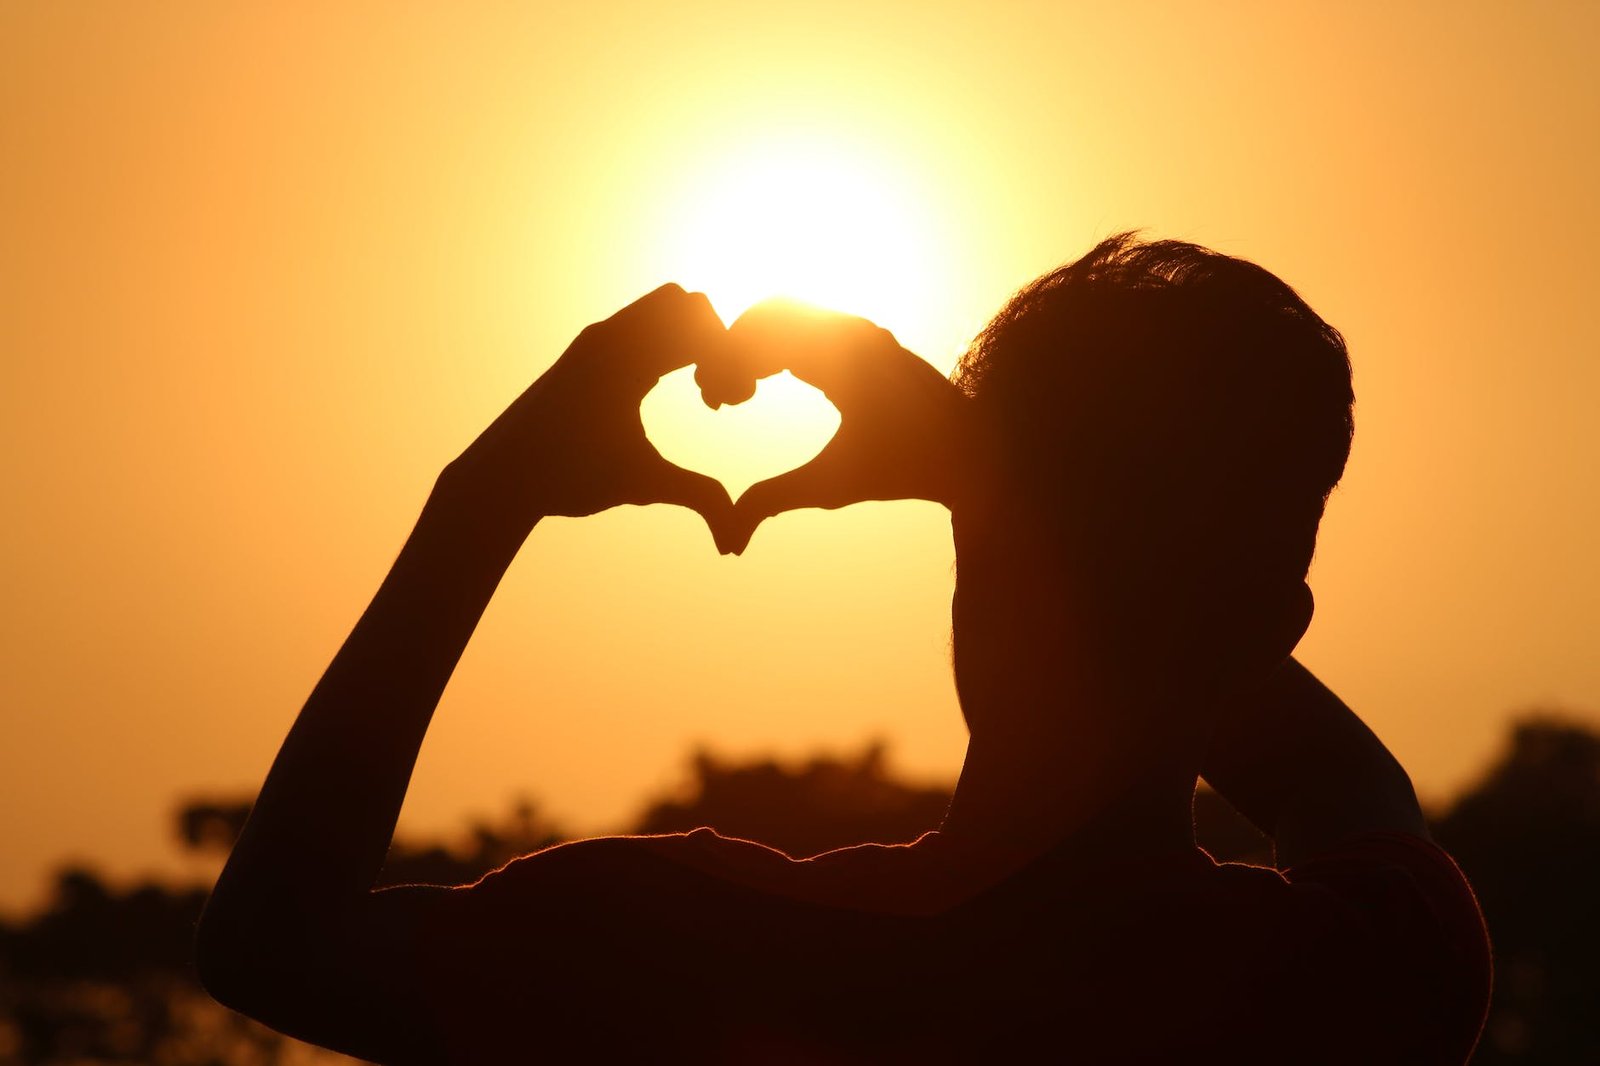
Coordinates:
725 951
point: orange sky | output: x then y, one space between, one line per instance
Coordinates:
263 271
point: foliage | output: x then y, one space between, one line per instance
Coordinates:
822 804
103 975
831 802
1528 838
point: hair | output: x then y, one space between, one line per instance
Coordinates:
1170 408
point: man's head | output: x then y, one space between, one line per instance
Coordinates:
1170 421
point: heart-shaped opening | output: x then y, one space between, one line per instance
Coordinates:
783 426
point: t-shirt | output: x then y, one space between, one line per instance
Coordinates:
699 948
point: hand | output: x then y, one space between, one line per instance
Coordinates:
904 430
573 443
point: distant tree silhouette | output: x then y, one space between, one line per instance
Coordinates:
211 824
803 809
1528 837
832 801
104 975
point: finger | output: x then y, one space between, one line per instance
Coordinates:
730 374
822 348
666 330
819 483
700 493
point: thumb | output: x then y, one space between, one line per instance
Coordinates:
815 484
703 494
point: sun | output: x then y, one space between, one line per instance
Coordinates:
822 221
781 427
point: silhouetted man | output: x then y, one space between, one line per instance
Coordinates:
1135 454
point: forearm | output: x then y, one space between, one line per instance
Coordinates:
1301 765
322 824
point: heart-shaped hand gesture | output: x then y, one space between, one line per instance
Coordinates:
904 429
573 443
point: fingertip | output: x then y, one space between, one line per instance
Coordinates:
698 308
730 537
702 301
670 288
667 329
740 541
760 322
722 383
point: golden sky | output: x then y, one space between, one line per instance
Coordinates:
265 269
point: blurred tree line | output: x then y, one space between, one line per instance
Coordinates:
103 974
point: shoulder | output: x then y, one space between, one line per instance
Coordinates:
696 895
1372 950
1402 885
624 865
1394 920
606 856
887 879
622 891
652 928
1379 878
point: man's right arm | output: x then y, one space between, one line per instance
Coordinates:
1306 770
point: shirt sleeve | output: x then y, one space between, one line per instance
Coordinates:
608 949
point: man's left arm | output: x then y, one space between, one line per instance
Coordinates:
294 934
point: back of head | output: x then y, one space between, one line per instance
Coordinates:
1177 416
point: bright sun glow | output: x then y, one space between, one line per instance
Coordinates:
781 427
806 218
820 222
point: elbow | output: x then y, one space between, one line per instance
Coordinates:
222 958
240 956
